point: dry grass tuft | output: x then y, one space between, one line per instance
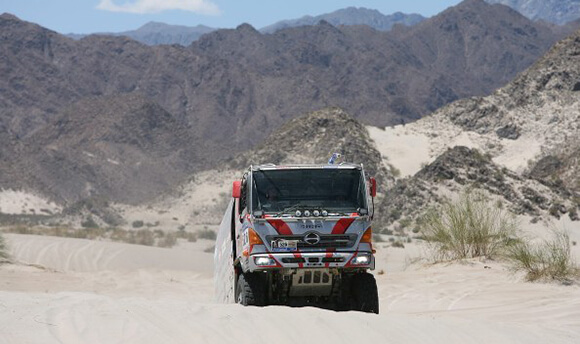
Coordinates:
3 250
144 237
547 260
471 227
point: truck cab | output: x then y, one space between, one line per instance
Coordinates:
301 234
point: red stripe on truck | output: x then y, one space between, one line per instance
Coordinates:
342 225
329 254
281 227
298 255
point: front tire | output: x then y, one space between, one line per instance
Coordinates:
251 290
365 293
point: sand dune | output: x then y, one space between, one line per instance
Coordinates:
81 291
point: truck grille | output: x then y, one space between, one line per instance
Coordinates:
326 240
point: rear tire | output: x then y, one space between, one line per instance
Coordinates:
365 293
251 290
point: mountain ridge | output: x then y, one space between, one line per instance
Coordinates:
231 89
350 16
555 11
156 33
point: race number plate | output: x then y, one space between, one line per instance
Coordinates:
281 245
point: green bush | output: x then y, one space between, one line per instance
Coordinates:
548 260
470 227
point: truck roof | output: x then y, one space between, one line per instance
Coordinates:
305 166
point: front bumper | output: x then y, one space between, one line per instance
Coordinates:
298 260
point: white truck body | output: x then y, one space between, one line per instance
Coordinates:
298 234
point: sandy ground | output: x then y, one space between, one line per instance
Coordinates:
79 291
21 202
409 147
196 205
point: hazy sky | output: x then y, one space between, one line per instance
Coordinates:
86 16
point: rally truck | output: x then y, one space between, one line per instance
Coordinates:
299 235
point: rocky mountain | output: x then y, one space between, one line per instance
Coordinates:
380 78
523 144
310 138
540 106
123 147
232 88
350 16
197 202
313 138
367 72
460 169
554 11
154 33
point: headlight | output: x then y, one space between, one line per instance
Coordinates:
264 261
361 259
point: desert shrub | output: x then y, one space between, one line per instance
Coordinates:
378 238
573 214
3 249
137 224
89 223
406 222
547 260
555 210
142 237
20 229
145 237
398 244
189 236
394 171
206 234
470 227
387 231
169 240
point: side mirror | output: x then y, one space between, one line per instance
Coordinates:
237 189
373 182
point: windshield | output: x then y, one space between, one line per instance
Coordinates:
333 190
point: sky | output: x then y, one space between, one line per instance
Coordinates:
88 16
